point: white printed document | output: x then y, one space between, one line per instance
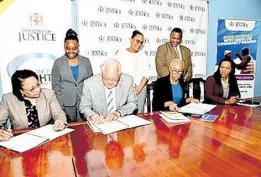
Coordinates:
47 131
196 108
23 142
33 138
118 124
133 121
174 117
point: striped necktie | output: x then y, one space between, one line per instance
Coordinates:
110 103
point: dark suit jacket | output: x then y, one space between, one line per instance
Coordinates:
214 92
162 92
166 53
67 90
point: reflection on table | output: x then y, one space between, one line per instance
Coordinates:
230 146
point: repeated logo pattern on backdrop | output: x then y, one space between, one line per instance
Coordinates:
106 27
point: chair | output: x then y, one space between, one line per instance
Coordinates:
148 97
196 89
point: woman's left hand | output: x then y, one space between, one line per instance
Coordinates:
58 125
192 100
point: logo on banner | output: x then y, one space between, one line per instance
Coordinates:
176 5
124 25
197 8
151 53
109 39
139 13
198 54
38 62
152 27
38 33
36 19
239 25
197 31
153 2
186 18
164 16
97 53
109 10
162 40
94 24
191 42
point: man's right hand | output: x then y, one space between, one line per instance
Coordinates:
97 119
5 135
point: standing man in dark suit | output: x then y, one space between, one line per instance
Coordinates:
171 50
68 75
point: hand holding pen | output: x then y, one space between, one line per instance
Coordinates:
5 134
97 118
232 100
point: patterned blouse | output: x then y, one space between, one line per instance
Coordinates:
32 114
225 86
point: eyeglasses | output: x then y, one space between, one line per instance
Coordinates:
111 79
33 89
174 71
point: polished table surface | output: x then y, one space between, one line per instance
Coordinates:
231 146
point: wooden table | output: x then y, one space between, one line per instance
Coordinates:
231 146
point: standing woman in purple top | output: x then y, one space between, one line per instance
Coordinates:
68 74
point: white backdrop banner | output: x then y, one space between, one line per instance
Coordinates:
106 27
32 34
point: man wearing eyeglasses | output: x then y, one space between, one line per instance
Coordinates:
171 50
108 95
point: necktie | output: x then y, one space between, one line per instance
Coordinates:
177 52
110 105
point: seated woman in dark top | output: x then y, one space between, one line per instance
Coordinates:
222 88
168 91
29 106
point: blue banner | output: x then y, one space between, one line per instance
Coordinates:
237 39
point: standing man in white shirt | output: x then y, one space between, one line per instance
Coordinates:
134 63
108 95
171 50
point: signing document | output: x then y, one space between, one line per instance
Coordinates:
118 124
196 108
33 138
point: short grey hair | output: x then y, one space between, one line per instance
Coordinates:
110 62
177 60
